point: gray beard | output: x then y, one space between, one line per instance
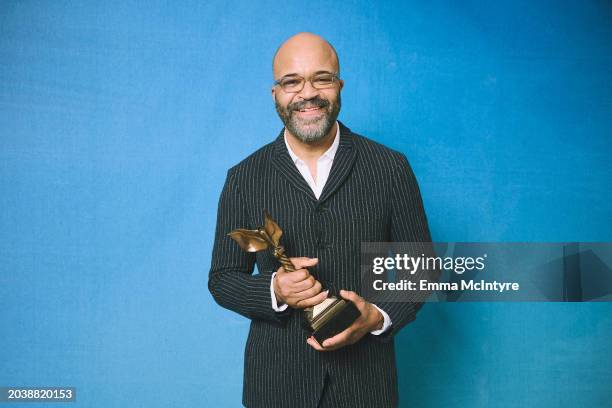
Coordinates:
312 134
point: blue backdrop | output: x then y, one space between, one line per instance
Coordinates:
119 121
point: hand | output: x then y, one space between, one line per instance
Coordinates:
298 289
371 319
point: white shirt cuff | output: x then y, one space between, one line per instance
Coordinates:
386 322
275 305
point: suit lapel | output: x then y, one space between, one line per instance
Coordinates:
343 163
287 168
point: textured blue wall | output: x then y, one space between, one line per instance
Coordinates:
119 121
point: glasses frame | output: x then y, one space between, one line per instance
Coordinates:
335 78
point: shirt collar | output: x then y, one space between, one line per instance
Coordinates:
329 153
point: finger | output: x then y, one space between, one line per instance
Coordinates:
307 294
312 301
292 292
303 285
304 262
297 276
352 296
339 339
359 302
310 290
314 344
335 346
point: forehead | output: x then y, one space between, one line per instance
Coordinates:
304 60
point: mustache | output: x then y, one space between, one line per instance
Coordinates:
316 102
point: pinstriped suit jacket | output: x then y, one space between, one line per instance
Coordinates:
371 195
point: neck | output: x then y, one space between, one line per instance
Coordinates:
311 151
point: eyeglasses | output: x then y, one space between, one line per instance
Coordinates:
295 83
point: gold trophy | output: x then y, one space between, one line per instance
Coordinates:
324 320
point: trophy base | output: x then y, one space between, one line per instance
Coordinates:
334 319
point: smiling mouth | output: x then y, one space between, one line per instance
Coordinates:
310 109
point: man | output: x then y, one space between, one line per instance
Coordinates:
329 190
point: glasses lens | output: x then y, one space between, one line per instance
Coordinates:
292 84
323 81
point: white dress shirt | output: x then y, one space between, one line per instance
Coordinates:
324 165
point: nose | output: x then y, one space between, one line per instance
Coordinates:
308 92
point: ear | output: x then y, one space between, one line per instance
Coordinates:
274 93
341 82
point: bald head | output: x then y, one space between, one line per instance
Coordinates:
303 51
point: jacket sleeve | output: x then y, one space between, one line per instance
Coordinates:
231 280
408 224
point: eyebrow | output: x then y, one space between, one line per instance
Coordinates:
298 75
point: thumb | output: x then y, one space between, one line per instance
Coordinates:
357 300
350 295
302 262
